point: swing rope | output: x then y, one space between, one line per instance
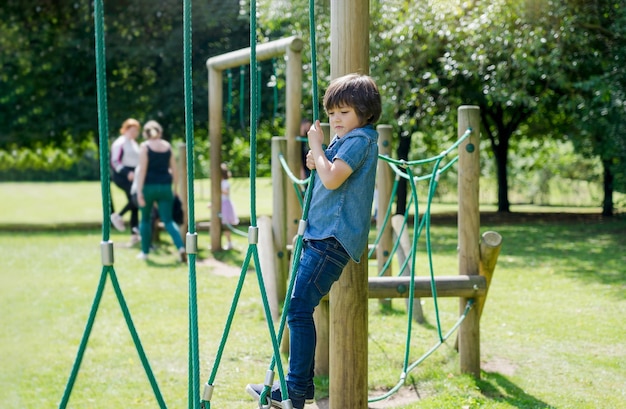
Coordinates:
191 245
252 252
106 246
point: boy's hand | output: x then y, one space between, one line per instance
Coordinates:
316 135
310 160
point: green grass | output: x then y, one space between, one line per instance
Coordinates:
79 204
73 204
551 332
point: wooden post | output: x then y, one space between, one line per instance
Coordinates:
490 244
279 229
267 258
215 133
468 233
384 184
293 152
182 188
322 313
349 21
292 46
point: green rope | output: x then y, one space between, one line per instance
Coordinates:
194 353
421 359
418 226
252 252
386 219
107 270
305 212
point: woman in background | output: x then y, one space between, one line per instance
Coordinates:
154 185
124 160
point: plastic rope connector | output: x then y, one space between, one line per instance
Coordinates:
208 392
269 378
191 244
106 253
253 235
302 227
286 404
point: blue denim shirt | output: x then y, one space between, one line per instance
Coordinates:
345 213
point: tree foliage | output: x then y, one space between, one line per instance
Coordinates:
47 73
594 56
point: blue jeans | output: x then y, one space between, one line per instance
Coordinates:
321 264
163 196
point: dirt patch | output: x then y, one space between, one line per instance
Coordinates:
499 365
403 397
220 268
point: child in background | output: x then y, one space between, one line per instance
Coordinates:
228 215
339 220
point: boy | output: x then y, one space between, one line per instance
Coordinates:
339 219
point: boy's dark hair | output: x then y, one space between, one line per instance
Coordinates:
358 92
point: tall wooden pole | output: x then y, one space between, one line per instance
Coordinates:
384 182
215 132
349 20
292 131
469 233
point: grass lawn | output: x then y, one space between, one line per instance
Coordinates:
46 204
552 331
78 204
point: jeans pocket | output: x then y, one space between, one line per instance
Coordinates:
329 272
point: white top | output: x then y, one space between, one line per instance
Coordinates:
124 153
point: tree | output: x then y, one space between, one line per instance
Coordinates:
47 76
594 46
497 55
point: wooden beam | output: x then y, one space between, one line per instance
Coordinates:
446 286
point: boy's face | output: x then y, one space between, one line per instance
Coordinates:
342 120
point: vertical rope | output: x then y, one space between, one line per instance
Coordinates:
103 121
254 93
194 354
105 184
312 29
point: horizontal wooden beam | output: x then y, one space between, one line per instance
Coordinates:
446 286
264 51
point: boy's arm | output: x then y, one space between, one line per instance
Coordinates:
331 174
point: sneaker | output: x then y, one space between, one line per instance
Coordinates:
118 222
182 255
142 256
275 397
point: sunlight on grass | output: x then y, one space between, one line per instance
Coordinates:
551 333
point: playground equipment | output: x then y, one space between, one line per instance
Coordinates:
477 255
348 386
291 47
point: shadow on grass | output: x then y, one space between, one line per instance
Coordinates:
588 251
499 388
